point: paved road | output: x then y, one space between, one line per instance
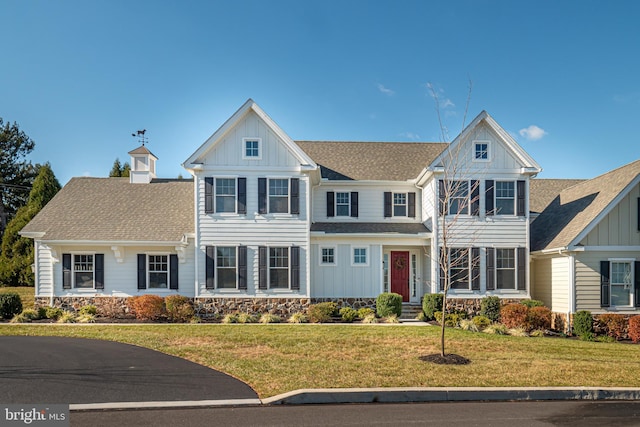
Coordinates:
453 414
75 370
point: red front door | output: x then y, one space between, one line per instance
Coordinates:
400 274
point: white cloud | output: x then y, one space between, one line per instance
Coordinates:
410 135
385 90
533 133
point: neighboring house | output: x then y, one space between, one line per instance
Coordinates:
268 223
585 246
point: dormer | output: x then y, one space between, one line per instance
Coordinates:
143 165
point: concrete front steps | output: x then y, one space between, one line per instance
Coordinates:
410 311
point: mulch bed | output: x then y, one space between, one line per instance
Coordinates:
447 359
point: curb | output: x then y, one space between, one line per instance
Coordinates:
163 405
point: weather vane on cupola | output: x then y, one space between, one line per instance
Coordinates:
141 138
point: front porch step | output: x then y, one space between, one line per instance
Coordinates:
410 311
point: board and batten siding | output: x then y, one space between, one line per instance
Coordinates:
620 226
540 277
587 272
120 278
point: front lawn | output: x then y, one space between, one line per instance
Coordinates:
278 358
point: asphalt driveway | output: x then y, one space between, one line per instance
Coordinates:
76 370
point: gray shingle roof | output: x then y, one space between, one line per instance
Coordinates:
369 227
577 206
543 191
394 161
112 209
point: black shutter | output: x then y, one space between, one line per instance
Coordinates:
638 212
208 194
488 197
295 196
242 196
99 271
442 201
442 263
387 204
521 197
475 269
604 283
475 197
142 271
354 204
262 267
522 269
295 268
66 271
242 267
331 209
262 195
411 199
173 271
636 287
210 267
491 269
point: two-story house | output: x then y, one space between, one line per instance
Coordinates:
272 224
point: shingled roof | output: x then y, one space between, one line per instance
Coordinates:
114 210
576 207
371 161
544 191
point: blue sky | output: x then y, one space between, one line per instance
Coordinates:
563 77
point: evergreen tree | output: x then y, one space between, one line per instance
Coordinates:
17 251
119 170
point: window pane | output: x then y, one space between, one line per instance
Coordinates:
328 256
226 266
620 296
84 280
459 268
506 279
225 195
482 151
278 195
83 271
278 187
279 278
459 198
251 149
157 280
342 204
227 278
505 197
399 204
360 256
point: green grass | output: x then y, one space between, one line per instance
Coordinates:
27 294
277 358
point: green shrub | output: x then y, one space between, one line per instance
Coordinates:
88 309
583 324
634 328
179 308
389 303
10 305
371 318
86 318
538 317
422 317
613 324
587 336
481 322
67 317
348 314
430 304
365 311
245 318
298 318
42 312
230 318
30 314
147 307
269 318
452 320
468 325
53 313
322 312
490 308
514 316
530 303
605 338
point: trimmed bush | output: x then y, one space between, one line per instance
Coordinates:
514 316
10 305
583 324
389 303
348 314
481 322
322 312
452 320
88 309
538 317
179 308
613 324
147 307
365 311
53 313
530 303
430 304
634 328
490 308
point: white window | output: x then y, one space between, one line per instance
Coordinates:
278 268
278 195
226 267
621 283
399 204
359 256
481 151
505 197
83 271
385 272
158 271
328 256
459 268
459 198
505 269
225 194
343 204
251 148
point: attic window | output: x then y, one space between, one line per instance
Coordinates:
481 151
251 148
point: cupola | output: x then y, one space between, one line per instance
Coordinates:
143 165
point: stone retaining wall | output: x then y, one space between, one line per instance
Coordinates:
112 307
217 307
